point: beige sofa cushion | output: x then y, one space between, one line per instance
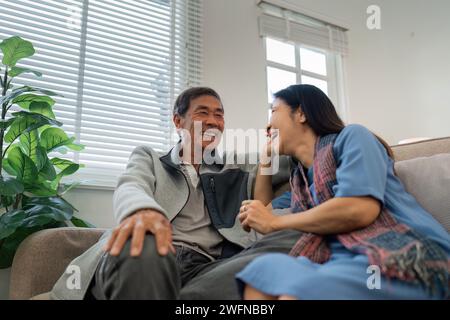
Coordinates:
42 258
428 180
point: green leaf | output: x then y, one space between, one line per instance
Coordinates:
14 49
23 165
42 108
29 144
61 163
18 91
66 187
10 186
80 223
25 100
48 171
26 122
66 171
53 138
34 89
15 71
71 169
43 189
75 146
37 116
20 125
10 221
54 207
8 168
62 150
4 124
10 96
6 201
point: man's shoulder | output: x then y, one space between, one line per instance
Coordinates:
148 151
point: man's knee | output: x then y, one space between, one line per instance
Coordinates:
148 276
148 263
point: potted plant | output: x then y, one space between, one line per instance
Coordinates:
31 191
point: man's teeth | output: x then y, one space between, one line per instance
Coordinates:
209 134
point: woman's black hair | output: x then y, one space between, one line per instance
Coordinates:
319 111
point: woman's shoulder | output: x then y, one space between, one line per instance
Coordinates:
355 129
355 134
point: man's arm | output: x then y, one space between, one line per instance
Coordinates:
136 209
136 187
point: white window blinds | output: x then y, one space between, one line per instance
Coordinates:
286 24
118 64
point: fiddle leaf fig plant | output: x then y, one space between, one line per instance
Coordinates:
31 190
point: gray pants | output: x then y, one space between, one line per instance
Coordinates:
185 275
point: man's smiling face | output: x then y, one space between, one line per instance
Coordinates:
207 111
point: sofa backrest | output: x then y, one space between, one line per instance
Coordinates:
425 148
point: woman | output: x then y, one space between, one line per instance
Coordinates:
353 211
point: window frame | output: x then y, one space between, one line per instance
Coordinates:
334 68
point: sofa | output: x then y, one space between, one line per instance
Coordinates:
43 256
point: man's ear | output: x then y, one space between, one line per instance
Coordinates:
177 121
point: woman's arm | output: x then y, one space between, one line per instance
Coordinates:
263 184
337 215
263 187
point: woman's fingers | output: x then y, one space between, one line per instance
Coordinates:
245 205
242 216
246 226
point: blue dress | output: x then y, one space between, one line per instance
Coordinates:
363 169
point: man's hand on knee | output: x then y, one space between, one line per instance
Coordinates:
136 226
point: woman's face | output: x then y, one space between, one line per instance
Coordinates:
282 126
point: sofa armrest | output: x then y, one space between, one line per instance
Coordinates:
42 258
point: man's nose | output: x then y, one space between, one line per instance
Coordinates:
212 122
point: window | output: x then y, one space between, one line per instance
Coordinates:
118 65
302 50
289 64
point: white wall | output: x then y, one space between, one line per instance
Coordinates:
93 205
234 62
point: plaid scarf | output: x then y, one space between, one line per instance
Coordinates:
398 251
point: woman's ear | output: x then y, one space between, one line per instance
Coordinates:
300 116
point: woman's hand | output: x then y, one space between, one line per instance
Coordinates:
254 215
270 148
